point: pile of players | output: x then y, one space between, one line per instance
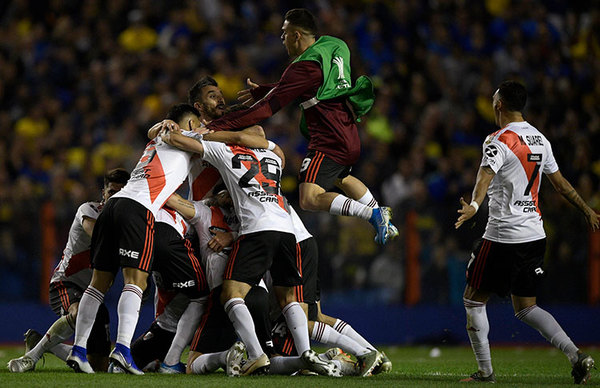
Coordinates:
243 292
233 262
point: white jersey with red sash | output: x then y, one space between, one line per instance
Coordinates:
202 179
518 154
206 222
252 177
75 265
158 174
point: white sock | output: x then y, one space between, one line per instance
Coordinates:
128 311
347 330
208 363
240 317
61 351
344 206
368 200
478 329
325 334
544 322
60 331
286 365
186 327
298 326
86 315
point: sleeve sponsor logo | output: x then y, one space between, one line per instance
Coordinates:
491 151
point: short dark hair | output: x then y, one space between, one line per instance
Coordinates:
513 95
177 112
302 18
116 175
195 92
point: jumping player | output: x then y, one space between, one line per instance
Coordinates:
319 76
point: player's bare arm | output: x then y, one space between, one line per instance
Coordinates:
484 177
246 139
88 225
570 194
182 206
175 138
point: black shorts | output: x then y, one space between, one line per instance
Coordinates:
215 332
254 254
62 296
152 345
321 170
507 268
174 260
123 237
307 260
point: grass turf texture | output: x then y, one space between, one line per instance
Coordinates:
514 367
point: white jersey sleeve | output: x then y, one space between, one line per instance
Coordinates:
252 177
518 154
75 265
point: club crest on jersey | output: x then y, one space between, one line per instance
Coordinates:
491 151
129 253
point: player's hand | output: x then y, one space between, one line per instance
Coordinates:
155 130
170 125
466 213
220 240
592 219
245 96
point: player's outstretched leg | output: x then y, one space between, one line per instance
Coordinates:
548 327
478 328
581 368
317 365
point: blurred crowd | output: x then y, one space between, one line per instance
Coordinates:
81 81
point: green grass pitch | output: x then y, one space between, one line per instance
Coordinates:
412 366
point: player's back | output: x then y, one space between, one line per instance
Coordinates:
252 177
158 174
518 153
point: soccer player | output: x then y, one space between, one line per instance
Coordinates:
266 242
323 328
124 238
207 97
70 278
509 258
319 76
